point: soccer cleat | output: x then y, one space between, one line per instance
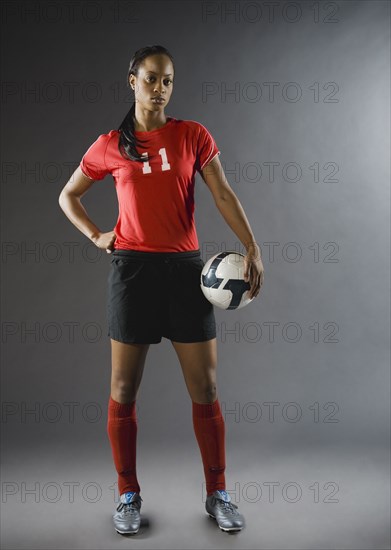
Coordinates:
127 516
219 507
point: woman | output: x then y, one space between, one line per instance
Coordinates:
153 284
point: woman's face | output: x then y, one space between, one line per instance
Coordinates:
155 79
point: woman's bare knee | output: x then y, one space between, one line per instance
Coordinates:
128 362
202 393
199 365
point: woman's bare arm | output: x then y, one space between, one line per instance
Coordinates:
69 201
233 213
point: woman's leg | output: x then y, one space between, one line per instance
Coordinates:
128 362
127 367
198 361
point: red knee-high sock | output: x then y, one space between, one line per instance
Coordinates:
209 429
122 432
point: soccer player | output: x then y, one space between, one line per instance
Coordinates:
153 282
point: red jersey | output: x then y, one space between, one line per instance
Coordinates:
155 198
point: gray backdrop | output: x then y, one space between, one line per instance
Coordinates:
297 99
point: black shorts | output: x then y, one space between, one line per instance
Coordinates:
151 295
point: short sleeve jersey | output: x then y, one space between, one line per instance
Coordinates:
155 198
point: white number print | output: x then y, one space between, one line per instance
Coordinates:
165 164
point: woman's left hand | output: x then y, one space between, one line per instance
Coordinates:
253 270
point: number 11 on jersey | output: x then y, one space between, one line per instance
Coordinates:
165 165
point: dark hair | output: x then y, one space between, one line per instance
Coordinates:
127 140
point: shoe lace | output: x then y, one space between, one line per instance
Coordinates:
131 508
227 507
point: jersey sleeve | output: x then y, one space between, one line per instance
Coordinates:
206 148
93 163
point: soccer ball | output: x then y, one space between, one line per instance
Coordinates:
222 281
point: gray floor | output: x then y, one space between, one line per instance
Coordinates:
300 515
